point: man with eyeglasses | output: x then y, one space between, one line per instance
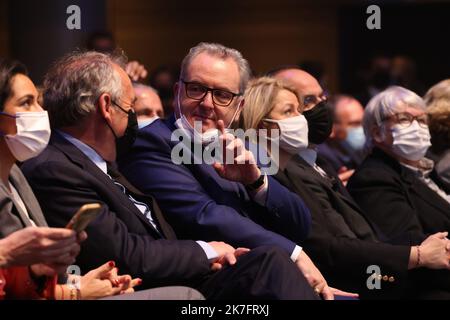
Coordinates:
231 202
396 184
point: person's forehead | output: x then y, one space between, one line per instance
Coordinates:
348 107
214 71
22 85
126 82
304 83
285 96
414 111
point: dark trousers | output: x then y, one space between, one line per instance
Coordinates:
263 273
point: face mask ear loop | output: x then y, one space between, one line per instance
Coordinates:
178 101
235 113
8 115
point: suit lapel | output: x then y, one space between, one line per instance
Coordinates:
79 158
422 191
26 194
355 220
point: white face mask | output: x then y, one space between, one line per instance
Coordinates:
33 134
145 122
206 137
356 138
293 133
410 142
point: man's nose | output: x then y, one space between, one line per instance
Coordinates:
207 100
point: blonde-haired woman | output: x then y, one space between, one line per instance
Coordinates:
437 100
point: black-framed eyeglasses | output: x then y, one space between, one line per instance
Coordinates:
406 119
220 97
312 100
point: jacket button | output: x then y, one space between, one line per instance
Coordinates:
391 279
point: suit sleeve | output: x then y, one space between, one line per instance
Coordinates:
345 262
187 205
384 202
61 192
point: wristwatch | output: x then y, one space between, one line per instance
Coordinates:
257 184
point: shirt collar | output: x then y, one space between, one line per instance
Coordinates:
88 151
425 167
309 155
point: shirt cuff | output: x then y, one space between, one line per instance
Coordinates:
260 196
211 254
296 253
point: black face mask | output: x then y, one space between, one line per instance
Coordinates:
320 123
124 143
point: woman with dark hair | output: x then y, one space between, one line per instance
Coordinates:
31 254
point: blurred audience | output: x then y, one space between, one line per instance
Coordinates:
376 77
148 106
437 101
163 79
344 148
395 184
404 74
104 42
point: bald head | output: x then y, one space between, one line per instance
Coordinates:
348 113
307 87
148 103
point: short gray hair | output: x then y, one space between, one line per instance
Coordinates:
385 104
219 50
74 83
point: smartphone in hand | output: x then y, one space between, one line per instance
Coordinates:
84 216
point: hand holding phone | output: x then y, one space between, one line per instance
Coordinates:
84 216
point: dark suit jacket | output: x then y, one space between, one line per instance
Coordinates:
64 179
200 204
340 154
12 217
395 200
342 243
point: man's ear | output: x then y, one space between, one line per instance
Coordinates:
105 105
333 132
377 134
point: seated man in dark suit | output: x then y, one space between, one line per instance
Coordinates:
234 203
396 185
342 241
89 98
344 147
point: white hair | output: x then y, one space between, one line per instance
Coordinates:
393 100
222 52
74 83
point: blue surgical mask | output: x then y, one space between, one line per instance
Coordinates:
145 122
356 138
